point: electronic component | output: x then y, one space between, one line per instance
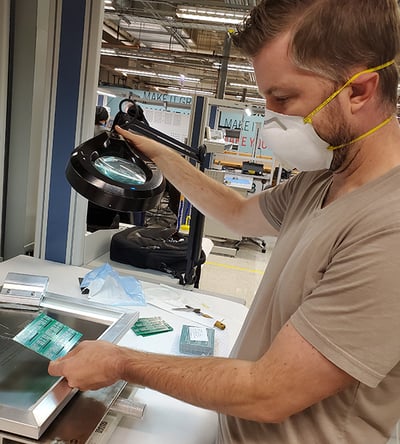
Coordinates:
151 326
197 340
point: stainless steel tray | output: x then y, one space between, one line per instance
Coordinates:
30 399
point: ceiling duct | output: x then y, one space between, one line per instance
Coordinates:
163 43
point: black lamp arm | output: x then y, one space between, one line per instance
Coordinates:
152 133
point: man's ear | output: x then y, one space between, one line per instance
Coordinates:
363 89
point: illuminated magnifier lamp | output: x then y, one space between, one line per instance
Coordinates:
109 172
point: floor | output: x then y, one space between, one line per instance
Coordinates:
237 276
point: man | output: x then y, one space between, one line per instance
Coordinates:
317 360
100 120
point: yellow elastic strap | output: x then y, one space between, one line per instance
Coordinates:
363 136
308 118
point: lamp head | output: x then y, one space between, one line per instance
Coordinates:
107 171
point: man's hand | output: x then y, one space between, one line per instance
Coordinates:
149 147
90 365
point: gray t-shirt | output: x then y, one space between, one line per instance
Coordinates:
335 274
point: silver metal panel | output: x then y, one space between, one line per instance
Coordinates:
77 421
30 398
20 284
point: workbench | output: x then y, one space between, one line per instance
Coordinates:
166 420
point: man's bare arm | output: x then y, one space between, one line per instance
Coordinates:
212 198
290 377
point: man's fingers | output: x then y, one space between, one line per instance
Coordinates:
127 134
130 135
119 129
54 368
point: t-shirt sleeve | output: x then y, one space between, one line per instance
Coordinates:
352 316
275 201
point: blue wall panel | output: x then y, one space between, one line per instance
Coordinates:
67 95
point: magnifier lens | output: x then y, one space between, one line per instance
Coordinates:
120 170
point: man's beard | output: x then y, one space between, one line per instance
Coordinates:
339 133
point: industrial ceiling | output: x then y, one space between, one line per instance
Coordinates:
177 47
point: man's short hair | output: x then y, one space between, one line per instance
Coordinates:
101 115
330 37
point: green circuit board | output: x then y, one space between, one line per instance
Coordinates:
48 337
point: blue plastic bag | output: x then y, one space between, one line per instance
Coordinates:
106 286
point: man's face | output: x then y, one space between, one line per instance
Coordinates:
293 91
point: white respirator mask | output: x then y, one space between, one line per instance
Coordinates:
295 143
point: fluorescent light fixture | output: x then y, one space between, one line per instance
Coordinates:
147 59
243 85
136 72
108 2
210 15
107 51
209 18
178 77
190 91
234 67
112 52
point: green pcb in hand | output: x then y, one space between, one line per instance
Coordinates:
48 337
